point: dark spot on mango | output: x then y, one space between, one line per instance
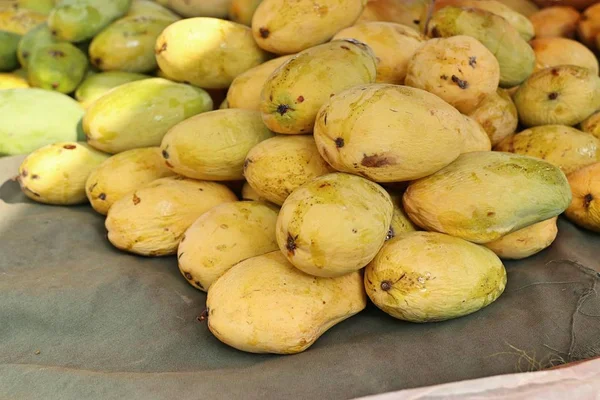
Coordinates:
136 200
224 226
69 146
552 96
56 53
180 255
386 286
55 85
97 61
376 161
345 47
554 72
354 231
339 142
188 276
264 32
162 48
165 155
25 54
199 284
322 185
444 77
332 94
102 196
390 234
587 200
291 244
182 238
491 214
246 163
416 21
35 176
461 83
282 109
300 99
473 61
186 82
24 173
325 118
435 32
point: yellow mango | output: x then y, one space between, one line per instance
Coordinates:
555 51
592 124
242 11
400 221
588 27
584 210
525 7
525 242
405 12
148 8
96 85
19 20
248 193
497 115
476 138
200 8
556 21
12 81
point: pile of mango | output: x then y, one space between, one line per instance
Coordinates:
299 158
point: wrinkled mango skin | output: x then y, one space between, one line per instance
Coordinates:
525 242
151 220
123 173
96 85
214 145
428 277
58 66
487 195
149 8
281 28
200 8
242 11
241 305
153 107
292 95
334 224
497 114
555 51
12 81
9 43
39 36
584 210
224 236
56 173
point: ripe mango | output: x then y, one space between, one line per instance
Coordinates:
58 66
405 12
12 81
19 20
428 276
241 313
555 51
562 95
242 11
292 95
153 107
9 43
200 8
497 115
525 7
483 196
525 242
214 145
277 166
37 37
148 8
96 85
588 28
151 220
400 221
281 28
334 224
123 173
475 139
584 210
207 52
224 236
592 124
389 133
393 44
56 173
556 21
248 193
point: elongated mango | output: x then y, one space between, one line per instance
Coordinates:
525 242
149 8
199 8
96 85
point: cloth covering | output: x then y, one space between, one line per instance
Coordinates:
82 320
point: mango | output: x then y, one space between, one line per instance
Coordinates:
292 95
59 66
555 51
389 133
475 138
19 20
458 69
153 107
568 148
95 86
224 236
207 52
400 221
240 312
515 57
151 220
148 8
483 196
578 4
56 173
79 20
525 242
9 43
497 115
277 166
427 277
334 224
592 124
214 145
224 104
405 12
588 27
12 81
393 45
40 6
556 21
200 8
37 37
584 210
242 11
525 7
562 95
248 193
55 118
123 173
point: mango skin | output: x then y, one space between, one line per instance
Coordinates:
214 145
200 8
248 193
40 6
561 95
497 115
584 210
592 124
19 20
588 27
487 195
389 133
55 118
393 44
242 11
12 81
223 237
241 313
277 166
292 95
153 107
427 277
525 7
149 8
552 52
334 224
568 148
95 86
405 12
39 36
123 173
151 220
476 138
555 21
9 43
207 52
525 242
400 221
280 28
58 66
56 173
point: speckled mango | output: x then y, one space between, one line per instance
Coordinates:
58 66
56 173
151 220
9 43
389 133
334 224
207 52
427 277
214 145
123 173
12 81
281 28
555 51
525 242
483 196
148 8
584 210
96 85
242 11
293 94
592 124
200 8
276 167
37 37
497 115
555 21
224 236
405 12
19 20
153 107
241 312
475 138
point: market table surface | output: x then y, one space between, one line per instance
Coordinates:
80 319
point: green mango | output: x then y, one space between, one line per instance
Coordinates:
128 44
96 85
149 8
35 38
59 66
32 118
40 6
8 50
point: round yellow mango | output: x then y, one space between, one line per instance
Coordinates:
525 242
592 124
555 51
12 81
584 210
497 115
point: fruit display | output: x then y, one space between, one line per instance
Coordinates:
299 160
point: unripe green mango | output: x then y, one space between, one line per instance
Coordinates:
153 107
37 37
149 8
58 66
96 85
9 43
40 6
483 196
